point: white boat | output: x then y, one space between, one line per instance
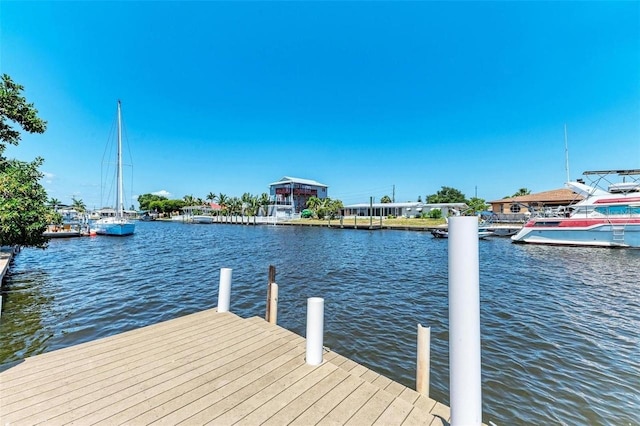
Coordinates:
118 224
201 218
66 230
444 233
605 217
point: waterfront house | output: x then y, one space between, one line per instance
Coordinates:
518 209
290 195
408 209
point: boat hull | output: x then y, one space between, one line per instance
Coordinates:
202 219
598 234
62 234
120 229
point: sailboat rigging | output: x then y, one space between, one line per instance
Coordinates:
118 224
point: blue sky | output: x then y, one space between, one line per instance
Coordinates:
362 96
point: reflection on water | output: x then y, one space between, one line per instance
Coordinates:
559 324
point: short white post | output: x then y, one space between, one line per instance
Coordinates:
423 360
224 290
273 304
315 330
464 322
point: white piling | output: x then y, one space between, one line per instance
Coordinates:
315 330
423 360
273 304
464 322
224 290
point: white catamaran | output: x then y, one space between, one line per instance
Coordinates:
118 224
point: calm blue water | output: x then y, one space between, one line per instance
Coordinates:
560 339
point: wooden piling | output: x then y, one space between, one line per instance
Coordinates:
271 279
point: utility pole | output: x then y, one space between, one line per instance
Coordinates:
393 196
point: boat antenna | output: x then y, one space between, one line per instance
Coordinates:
566 151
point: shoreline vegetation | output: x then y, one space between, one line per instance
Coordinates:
351 221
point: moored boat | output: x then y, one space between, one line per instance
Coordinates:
67 230
604 218
118 224
444 233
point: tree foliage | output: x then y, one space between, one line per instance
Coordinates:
385 199
324 207
520 192
476 205
14 107
145 200
24 213
78 205
446 195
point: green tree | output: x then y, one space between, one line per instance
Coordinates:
521 191
476 205
145 200
434 214
211 197
24 214
223 200
385 199
54 203
447 195
14 107
235 206
265 202
314 203
78 205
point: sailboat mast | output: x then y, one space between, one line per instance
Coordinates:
566 151
119 204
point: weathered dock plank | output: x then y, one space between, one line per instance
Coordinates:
205 368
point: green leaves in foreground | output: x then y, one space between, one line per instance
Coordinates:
23 212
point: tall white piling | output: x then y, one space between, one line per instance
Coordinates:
464 322
315 330
423 360
273 304
224 290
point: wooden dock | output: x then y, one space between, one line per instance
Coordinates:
208 367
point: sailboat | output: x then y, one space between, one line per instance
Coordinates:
118 224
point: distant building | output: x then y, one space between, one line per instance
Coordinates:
291 194
410 209
521 207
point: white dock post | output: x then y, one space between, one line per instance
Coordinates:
464 322
315 330
423 360
273 304
224 290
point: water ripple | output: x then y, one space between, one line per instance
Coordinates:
559 325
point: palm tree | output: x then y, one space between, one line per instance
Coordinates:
78 205
223 200
211 197
189 200
264 201
314 204
235 206
54 202
522 191
385 199
246 200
